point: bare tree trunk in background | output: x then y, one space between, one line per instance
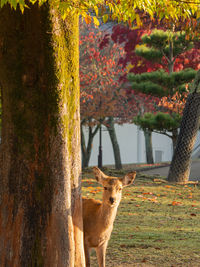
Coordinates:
148 146
87 149
113 137
174 138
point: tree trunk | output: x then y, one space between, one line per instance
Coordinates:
86 150
111 129
148 146
180 165
40 199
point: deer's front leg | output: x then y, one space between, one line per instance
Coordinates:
87 255
101 254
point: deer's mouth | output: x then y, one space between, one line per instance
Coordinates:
113 205
113 202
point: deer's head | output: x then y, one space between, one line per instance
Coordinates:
113 186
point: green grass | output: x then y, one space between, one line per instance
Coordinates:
158 224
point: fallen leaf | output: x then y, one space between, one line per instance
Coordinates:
168 186
147 193
175 203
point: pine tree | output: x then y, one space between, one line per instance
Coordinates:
162 47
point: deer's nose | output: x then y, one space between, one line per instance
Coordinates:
112 200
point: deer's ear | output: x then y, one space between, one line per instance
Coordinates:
128 178
100 176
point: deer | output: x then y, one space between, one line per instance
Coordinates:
99 216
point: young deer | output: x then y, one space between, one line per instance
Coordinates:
98 217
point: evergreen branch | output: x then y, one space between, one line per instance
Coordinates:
165 56
162 132
196 83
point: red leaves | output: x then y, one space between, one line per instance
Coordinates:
175 103
101 93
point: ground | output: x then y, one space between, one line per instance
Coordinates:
157 223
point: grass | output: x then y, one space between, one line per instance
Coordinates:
158 224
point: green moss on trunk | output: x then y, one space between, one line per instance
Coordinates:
39 78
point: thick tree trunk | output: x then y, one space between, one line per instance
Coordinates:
180 165
40 200
113 137
87 149
148 146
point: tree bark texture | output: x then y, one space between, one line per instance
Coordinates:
148 146
113 137
40 199
180 165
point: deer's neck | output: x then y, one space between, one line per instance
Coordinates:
108 214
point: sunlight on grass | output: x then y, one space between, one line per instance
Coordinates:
158 224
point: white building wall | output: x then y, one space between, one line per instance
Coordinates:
132 145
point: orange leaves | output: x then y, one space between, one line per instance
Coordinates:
175 203
147 193
101 93
168 186
169 195
94 190
144 197
88 19
175 103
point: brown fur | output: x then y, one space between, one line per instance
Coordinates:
98 217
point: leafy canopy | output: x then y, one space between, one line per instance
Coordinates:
122 10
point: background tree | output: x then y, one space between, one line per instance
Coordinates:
101 89
163 47
179 170
131 38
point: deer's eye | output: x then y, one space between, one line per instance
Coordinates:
105 188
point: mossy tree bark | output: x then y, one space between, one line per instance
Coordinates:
113 137
40 199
